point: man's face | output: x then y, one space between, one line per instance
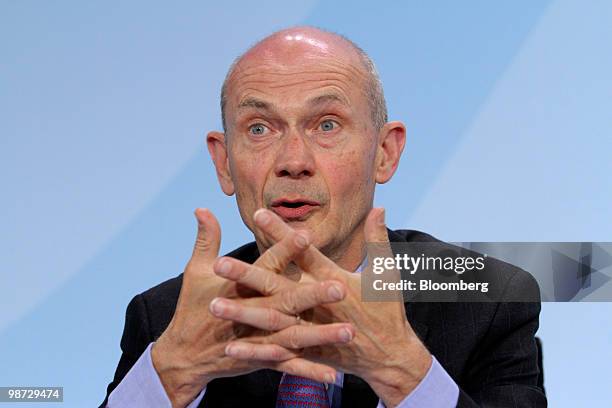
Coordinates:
300 141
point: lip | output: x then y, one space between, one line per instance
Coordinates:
299 213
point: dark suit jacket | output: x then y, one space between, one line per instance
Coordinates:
488 348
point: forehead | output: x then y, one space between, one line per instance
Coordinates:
296 78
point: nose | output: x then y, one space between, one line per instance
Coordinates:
295 158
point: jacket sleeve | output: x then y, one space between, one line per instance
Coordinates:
134 341
504 370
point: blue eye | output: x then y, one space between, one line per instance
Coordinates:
328 125
257 129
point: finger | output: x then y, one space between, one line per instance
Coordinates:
281 359
294 338
375 229
208 240
271 224
278 356
251 276
263 318
376 236
242 350
301 336
311 260
304 368
279 311
306 296
290 298
288 242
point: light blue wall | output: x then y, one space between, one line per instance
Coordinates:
103 111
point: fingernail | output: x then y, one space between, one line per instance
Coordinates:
334 292
381 217
330 378
346 335
301 241
199 212
262 217
225 267
216 306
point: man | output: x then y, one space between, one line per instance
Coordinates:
280 322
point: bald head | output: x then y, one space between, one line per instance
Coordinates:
298 44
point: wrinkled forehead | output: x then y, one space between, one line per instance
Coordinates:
295 72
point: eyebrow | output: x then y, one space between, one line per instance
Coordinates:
327 98
254 103
317 100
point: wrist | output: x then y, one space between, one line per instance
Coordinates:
179 377
396 378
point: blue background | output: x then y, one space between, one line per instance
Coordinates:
104 109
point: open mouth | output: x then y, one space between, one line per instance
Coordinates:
294 209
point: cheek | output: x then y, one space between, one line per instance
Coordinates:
248 175
350 178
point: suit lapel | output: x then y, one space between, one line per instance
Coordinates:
416 312
273 380
357 393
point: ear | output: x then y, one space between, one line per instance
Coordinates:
391 141
218 152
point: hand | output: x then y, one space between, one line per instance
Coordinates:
385 351
191 351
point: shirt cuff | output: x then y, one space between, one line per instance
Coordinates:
142 388
436 390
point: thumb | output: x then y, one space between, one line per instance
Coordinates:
208 240
376 237
378 246
375 228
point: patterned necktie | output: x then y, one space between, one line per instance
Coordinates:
295 391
